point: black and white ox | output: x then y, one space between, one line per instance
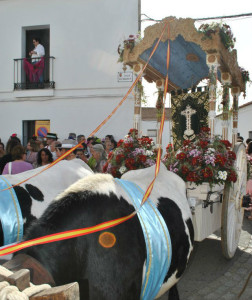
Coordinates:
115 272
35 195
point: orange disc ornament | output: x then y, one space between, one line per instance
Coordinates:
107 239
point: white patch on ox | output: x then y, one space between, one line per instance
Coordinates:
96 183
51 182
168 284
167 185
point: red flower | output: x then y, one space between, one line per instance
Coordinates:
232 176
129 163
181 156
192 176
184 170
226 143
114 171
119 143
145 141
110 154
203 144
119 158
231 155
220 160
207 172
186 142
105 167
142 158
169 146
194 160
128 145
205 129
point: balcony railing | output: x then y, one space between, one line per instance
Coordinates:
31 73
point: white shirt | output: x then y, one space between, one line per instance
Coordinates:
40 50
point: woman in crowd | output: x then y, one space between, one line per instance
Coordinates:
2 152
98 158
32 151
81 154
12 142
18 165
44 158
109 146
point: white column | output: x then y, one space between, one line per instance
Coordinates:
160 86
137 68
235 91
226 81
213 64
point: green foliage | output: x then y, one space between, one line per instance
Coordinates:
224 31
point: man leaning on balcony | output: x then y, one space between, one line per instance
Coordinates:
37 53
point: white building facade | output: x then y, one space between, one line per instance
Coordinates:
81 86
244 122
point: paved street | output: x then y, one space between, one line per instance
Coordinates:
210 276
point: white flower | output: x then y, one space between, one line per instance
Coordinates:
149 153
123 169
209 150
222 175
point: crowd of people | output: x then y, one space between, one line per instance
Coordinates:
16 158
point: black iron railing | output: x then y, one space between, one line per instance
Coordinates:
30 73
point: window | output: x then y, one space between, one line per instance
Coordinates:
152 132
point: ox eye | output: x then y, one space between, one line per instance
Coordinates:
107 239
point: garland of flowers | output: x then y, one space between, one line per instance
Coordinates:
203 160
224 31
129 43
132 153
249 167
140 88
245 78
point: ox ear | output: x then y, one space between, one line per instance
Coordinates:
34 192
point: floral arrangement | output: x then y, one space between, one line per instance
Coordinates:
129 43
203 160
249 167
131 153
245 75
160 104
224 30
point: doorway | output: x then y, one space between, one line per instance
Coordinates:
39 128
44 36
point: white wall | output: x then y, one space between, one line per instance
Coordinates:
84 36
244 123
166 137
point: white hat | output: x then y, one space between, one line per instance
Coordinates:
68 144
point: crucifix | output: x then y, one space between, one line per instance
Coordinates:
188 112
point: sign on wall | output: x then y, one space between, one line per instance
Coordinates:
125 76
41 128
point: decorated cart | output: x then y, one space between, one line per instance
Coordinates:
196 55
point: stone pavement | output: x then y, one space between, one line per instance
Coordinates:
211 276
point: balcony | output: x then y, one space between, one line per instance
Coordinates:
30 74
